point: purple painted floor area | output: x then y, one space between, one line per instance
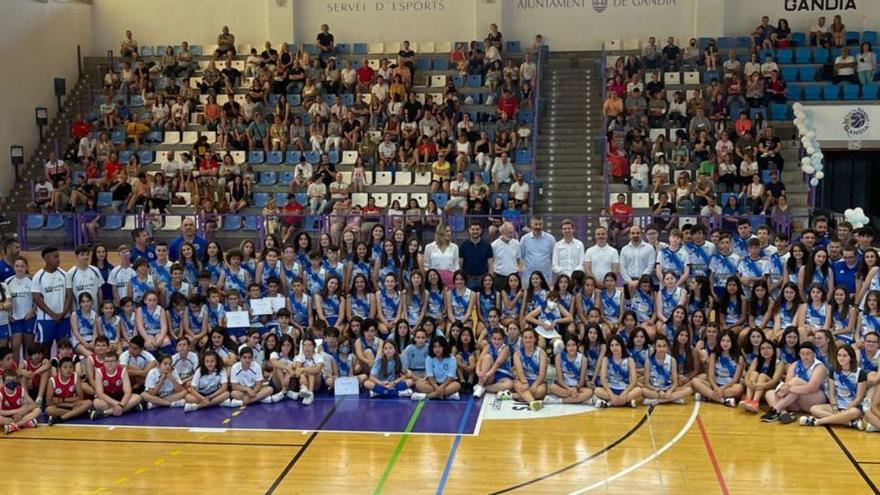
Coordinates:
354 414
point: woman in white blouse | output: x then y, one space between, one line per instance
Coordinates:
442 254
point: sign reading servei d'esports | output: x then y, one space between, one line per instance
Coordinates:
386 6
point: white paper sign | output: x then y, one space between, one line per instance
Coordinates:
262 306
238 319
346 385
278 302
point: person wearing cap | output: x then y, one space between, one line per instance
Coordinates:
804 387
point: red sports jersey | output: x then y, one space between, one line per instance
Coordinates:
96 363
8 401
29 366
64 390
112 382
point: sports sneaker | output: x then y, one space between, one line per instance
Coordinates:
267 400
305 392
649 402
226 403
31 424
698 397
178 403
743 404
869 428
406 393
140 407
479 390
601 403
54 420
729 402
454 396
373 394
505 395
679 401
854 424
290 394
96 414
10 428
770 416
236 402
188 408
418 396
633 403
807 421
150 406
787 418
307 401
552 399
536 405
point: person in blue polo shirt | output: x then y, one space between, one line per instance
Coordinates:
188 234
11 251
845 270
476 256
141 246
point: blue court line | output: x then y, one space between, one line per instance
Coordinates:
454 449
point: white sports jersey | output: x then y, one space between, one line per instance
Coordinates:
246 376
154 377
53 287
81 280
185 366
22 301
208 383
138 362
120 277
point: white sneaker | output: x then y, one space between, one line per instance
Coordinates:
869 428
505 395
193 407
290 394
418 396
406 393
679 401
479 390
150 406
649 402
307 401
807 421
226 403
729 402
552 399
454 396
373 394
277 397
536 405
236 402
305 392
178 403
268 400
601 403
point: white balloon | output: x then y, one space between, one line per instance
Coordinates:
797 106
819 154
810 150
820 174
805 161
859 211
808 169
814 182
811 134
819 167
848 213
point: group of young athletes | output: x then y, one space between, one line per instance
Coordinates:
729 319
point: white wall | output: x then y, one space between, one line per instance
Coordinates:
37 43
742 16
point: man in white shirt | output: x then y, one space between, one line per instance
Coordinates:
568 254
55 170
83 277
519 191
170 167
527 69
246 378
137 361
502 172
302 173
845 68
49 292
317 192
320 107
428 125
338 190
536 250
711 209
507 255
459 190
636 259
602 258
380 90
122 274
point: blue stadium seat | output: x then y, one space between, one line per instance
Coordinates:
807 73
802 55
799 39
523 157
743 41
820 55
117 137
273 99
779 111
256 157
333 156
35 222
457 223
793 92
869 92
295 100
310 48
260 199
458 81
293 157
306 118
104 199
146 157
703 42
423 64
812 92
830 91
851 91
275 158
113 222
54 222
789 73
360 48
251 223
785 56
313 157
525 115
765 176
160 50
765 52
440 64
441 199
267 178
146 51
474 81
853 37
726 43
501 195
196 50
347 99
232 222
343 48
285 177
280 198
835 52
870 37
330 99
154 137
302 198
710 75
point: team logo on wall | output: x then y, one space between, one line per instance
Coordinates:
600 5
857 122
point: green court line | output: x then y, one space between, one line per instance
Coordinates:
399 448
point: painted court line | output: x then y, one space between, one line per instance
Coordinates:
852 460
454 449
712 458
399 448
668 445
274 430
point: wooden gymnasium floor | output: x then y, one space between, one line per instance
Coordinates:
358 445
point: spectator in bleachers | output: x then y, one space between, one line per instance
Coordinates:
845 66
838 32
651 54
770 150
671 55
699 123
710 55
776 88
42 194
753 195
690 56
704 190
225 43
326 44
128 47
682 193
819 33
867 64
459 190
769 66
55 169
711 208
747 168
519 191
782 35
761 34
639 174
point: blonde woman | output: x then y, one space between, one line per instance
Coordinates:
442 254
